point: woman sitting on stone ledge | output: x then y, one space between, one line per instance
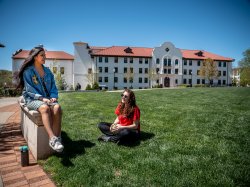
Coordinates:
40 93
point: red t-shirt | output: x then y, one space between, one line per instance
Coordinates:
125 121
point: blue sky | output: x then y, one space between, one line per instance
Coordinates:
218 26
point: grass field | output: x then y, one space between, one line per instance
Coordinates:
190 137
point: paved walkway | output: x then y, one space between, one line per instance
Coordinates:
11 171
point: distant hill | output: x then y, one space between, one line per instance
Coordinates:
5 76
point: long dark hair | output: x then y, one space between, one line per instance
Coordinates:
127 109
28 62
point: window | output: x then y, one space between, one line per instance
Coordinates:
106 69
131 60
169 71
219 82
198 72
146 60
199 63
184 71
115 79
185 62
106 79
54 70
176 71
131 70
219 64
100 59
125 80
116 59
198 81
140 70
62 70
125 60
100 79
125 70
116 70
169 62
224 82
157 61
145 80
176 62
219 73
224 73
165 62
190 62
146 70
89 70
189 81
203 81
100 69
131 80
140 60
140 80
184 81
224 64
165 71
106 59
190 72
176 81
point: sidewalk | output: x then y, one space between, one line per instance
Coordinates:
11 171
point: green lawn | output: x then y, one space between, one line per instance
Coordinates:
190 137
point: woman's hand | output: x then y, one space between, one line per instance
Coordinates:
53 100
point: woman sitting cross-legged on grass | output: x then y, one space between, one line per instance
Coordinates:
40 93
126 126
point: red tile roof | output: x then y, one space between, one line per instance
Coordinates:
147 52
60 55
193 54
120 51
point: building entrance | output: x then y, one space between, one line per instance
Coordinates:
167 82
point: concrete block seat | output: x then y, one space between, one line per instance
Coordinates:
34 132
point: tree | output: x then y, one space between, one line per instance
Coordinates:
153 75
245 62
60 82
129 76
209 70
244 65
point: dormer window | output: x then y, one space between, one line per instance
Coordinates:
200 53
128 50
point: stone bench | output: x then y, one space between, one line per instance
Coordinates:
34 132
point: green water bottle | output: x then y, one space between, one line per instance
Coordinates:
24 155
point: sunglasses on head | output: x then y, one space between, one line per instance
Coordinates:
125 96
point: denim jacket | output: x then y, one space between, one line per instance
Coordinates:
33 88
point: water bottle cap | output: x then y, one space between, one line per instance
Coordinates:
23 148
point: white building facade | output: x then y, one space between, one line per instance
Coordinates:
120 67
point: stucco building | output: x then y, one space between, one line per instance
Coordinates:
119 67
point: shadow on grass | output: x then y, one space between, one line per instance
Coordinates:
72 149
144 136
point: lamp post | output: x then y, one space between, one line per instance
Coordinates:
191 79
114 78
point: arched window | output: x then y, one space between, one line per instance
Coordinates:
176 61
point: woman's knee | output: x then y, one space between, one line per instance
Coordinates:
57 109
44 109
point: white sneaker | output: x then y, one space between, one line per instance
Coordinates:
55 144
